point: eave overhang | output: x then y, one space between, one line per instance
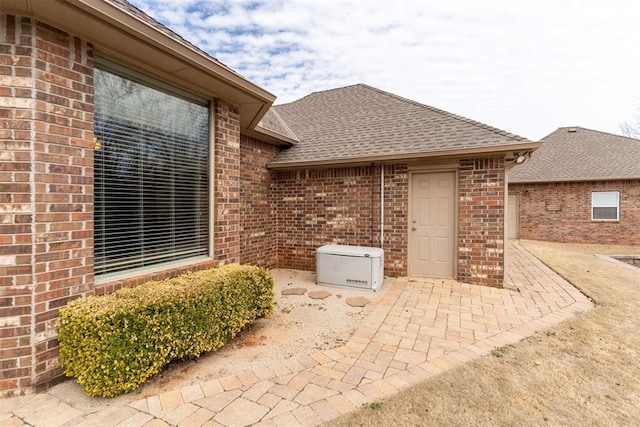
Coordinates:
579 179
495 150
123 37
267 135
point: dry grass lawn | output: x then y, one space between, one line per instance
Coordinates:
585 371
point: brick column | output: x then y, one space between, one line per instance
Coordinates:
481 221
46 193
396 219
226 195
258 242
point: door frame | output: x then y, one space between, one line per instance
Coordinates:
417 170
517 216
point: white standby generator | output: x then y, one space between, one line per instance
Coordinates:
353 266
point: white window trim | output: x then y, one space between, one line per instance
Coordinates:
103 279
617 206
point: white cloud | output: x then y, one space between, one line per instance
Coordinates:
526 67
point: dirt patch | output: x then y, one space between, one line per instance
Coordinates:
298 327
584 371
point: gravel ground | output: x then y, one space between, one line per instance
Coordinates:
299 326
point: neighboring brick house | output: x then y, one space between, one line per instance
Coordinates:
128 154
581 186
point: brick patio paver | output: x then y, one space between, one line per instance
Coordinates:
170 399
283 407
197 418
156 423
191 393
241 412
218 402
155 407
258 390
137 420
211 387
182 412
113 415
269 400
230 382
420 328
313 393
306 416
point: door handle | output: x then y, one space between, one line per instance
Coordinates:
414 228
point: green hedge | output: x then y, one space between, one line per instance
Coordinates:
111 344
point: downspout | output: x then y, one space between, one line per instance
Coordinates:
372 188
381 205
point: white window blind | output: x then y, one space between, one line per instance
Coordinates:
605 205
151 175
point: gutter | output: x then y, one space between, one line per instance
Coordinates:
129 37
460 153
166 42
569 179
264 133
382 206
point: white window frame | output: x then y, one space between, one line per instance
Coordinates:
594 194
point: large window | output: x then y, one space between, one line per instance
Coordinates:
605 206
151 172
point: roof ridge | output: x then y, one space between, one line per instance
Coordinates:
592 130
273 110
419 104
596 156
446 113
282 122
317 92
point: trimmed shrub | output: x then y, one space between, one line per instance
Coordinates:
111 344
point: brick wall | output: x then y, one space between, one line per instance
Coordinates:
481 221
226 193
561 212
46 195
163 272
396 218
258 245
341 205
46 198
260 217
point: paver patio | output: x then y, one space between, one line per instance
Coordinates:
420 328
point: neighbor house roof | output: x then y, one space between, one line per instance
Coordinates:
361 123
579 154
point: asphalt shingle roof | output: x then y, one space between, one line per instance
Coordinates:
359 121
272 121
579 154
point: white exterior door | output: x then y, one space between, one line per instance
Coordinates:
432 224
512 216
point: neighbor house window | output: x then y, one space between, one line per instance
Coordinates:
605 206
151 172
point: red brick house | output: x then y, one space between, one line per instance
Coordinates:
375 169
581 186
128 154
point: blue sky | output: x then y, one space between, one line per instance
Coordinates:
527 67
